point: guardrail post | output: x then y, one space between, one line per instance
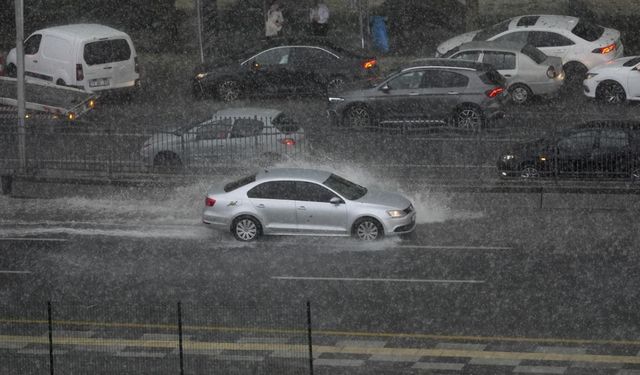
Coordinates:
309 338
180 349
50 321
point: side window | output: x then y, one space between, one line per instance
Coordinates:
312 56
246 128
514 37
32 45
284 190
467 55
548 39
443 79
500 60
613 139
276 56
578 143
406 81
212 131
310 192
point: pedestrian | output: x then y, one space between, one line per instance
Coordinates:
319 16
275 20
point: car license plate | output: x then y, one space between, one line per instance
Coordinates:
99 82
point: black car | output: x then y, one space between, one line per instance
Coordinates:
594 149
427 92
283 67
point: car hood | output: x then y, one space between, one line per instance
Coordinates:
454 42
385 198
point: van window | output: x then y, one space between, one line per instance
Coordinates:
32 45
106 51
57 49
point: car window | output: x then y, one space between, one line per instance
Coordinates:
588 31
493 30
32 45
467 55
283 190
245 127
519 37
406 81
212 130
231 186
312 56
578 142
548 39
500 60
443 79
613 139
310 192
106 51
345 187
275 56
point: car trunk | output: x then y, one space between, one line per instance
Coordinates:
108 63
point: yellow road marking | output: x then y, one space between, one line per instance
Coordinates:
172 327
319 349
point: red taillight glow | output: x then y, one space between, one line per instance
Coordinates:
369 64
606 49
495 92
79 72
288 141
209 202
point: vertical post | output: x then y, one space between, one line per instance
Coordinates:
180 338
19 4
50 319
199 16
309 337
361 15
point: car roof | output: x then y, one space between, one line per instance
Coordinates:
259 112
446 63
84 31
490 45
545 21
293 173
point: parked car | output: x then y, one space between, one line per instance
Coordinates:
231 135
431 91
580 44
594 149
281 67
614 82
86 56
528 70
306 202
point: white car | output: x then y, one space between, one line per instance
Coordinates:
231 135
527 69
615 81
580 44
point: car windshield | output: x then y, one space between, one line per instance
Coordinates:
346 188
492 31
231 186
535 54
588 31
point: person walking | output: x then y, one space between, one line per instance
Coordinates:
319 16
275 20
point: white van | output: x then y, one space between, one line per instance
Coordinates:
87 56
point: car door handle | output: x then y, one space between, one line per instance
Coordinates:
508 75
108 67
260 205
453 93
302 208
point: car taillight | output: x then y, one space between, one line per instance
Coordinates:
209 202
79 72
551 72
288 141
495 92
369 64
606 49
136 67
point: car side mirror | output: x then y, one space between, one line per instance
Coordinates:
336 201
385 88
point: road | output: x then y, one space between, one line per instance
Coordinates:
491 290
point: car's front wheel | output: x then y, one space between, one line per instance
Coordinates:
611 92
229 90
367 229
358 116
246 229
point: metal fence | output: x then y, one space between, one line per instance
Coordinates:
56 338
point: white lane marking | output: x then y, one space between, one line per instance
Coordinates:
14 272
461 247
33 239
378 280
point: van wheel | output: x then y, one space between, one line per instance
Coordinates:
12 71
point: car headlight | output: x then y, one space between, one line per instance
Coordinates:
336 99
396 213
201 75
591 75
508 157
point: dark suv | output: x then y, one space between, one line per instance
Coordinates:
594 149
461 93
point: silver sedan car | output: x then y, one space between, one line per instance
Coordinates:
306 202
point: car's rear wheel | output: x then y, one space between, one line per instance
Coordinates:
167 162
229 90
367 229
358 116
468 117
246 228
529 172
611 92
575 73
635 174
520 93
